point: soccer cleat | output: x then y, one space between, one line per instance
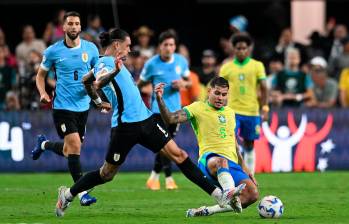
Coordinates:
236 204
87 200
62 203
153 184
193 212
229 194
171 185
36 153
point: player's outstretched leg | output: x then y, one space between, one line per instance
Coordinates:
36 152
43 144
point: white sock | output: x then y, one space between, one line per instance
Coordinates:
250 158
217 194
154 175
43 145
82 194
169 179
225 179
216 209
68 195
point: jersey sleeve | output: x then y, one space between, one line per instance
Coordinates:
47 59
185 68
191 110
104 65
95 54
146 72
261 71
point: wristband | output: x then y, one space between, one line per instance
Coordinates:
98 101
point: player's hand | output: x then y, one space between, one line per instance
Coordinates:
177 84
265 115
44 98
159 89
105 107
253 178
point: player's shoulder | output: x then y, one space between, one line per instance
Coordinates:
256 62
53 48
229 109
106 60
179 57
226 65
88 44
197 104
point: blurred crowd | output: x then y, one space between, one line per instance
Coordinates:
313 75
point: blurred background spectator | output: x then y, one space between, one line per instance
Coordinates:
54 29
8 78
143 36
206 71
325 88
192 93
291 86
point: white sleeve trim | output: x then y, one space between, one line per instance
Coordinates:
44 67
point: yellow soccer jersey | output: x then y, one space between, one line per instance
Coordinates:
243 80
214 129
344 83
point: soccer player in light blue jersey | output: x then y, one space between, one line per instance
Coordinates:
70 58
172 69
132 123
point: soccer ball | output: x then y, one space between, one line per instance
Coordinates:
270 207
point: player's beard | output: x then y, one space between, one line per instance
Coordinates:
73 36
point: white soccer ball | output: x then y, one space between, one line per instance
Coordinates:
270 207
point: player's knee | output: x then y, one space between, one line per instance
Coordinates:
107 175
254 197
221 163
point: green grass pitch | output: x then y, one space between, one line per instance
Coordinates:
307 197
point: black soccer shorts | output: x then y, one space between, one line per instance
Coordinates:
68 122
150 133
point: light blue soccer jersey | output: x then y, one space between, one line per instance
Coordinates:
156 70
123 94
70 65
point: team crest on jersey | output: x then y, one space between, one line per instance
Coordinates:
221 118
84 57
178 69
241 77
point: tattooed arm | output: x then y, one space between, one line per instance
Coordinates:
88 81
179 116
105 77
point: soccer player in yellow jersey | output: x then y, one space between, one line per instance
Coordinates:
220 159
246 77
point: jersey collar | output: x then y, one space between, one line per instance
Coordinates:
236 61
210 105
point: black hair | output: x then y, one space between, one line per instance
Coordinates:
219 81
170 33
241 37
71 13
107 38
